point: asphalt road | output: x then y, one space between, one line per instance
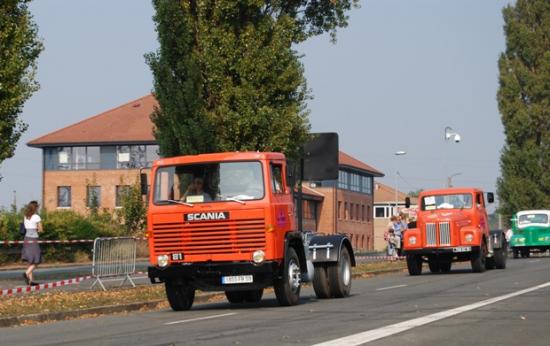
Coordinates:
406 310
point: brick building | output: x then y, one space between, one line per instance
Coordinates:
94 160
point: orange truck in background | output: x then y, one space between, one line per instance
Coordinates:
452 226
228 222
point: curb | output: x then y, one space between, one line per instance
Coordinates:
113 309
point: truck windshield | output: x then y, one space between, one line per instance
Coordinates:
453 201
207 182
529 219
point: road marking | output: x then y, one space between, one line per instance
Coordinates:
379 333
389 288
534 261
200 318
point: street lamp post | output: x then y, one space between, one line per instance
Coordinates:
397 153
450 179
450 134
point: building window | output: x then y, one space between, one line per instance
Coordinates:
354 182
339 209
362 212
346 211
366 185
351 211
64 196
121 191
380 212
343 179
93 196
368 213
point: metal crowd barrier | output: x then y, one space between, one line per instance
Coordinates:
113 257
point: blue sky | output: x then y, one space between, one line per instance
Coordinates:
400 73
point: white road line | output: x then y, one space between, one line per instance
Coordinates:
534 261
379 333
200 318
390 287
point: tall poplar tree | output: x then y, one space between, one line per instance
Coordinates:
227 77
19 49
524 103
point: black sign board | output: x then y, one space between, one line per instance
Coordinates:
321 157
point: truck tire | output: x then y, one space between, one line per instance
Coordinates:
320 281
445 266
516 253
287 288
253 296
414 264
490 262
525 253
339 275
434 266
501 256
180 296
235 297
478 259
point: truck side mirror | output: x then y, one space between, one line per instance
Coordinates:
490 197
143 183
407 202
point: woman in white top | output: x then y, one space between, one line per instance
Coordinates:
31 250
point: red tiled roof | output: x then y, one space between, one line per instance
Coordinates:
386 194
129 123
346 160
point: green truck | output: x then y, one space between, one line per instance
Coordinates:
531 232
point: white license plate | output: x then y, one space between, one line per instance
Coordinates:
237 279
462 249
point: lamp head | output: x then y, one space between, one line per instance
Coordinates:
457 138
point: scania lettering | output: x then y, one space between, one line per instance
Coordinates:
239 231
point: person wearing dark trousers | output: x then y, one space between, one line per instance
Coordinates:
31 249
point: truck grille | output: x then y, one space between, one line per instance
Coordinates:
215 237
444 234
431 237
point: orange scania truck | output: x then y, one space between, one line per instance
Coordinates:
228 222
452 226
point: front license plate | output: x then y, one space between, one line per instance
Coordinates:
462 249
237 279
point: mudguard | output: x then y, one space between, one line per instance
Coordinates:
326 248
497 238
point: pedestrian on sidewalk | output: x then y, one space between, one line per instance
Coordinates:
31 249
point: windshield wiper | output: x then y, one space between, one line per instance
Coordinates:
176 202
233 199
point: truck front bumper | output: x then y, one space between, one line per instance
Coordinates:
443 251
208 276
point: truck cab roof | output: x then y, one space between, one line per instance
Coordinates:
220 157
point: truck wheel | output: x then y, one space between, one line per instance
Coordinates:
478 259
500 257
320 282
414 264
235 297
253 296
445 266
433 264
180 296
339 275
516 253
287 288
490 262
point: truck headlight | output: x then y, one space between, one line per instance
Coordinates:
162 260
258 256
412 240
469 238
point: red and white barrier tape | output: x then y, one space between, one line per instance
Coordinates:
28 289
20 242
375 258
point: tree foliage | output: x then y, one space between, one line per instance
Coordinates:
134 210
524 103
227 77
19 49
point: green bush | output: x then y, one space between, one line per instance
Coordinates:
61 225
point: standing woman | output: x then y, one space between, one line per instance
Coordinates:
31 250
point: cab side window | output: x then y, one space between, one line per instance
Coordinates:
479 200
277 178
